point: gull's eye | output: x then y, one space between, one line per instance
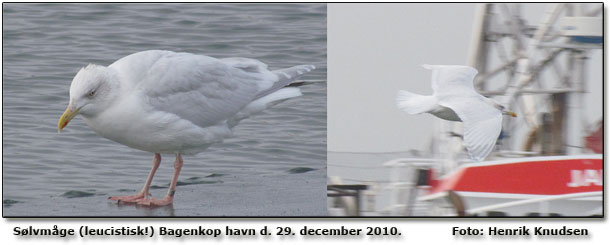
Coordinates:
91 93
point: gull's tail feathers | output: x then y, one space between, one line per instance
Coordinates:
414 103
264 103
284 88
286 77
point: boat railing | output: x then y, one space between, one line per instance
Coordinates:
403 184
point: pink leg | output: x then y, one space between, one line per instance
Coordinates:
144 193
169 198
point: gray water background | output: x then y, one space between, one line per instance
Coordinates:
275 164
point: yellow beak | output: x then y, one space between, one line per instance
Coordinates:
512 114
66 117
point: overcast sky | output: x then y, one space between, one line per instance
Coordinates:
374 50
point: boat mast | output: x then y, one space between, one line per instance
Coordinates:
514 61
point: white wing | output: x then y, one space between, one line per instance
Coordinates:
452 80
197 88
280 78
482 123
453 87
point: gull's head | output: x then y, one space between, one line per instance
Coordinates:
507 112
504 110
90 91
510 113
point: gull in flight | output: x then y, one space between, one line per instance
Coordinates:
176 103
455 99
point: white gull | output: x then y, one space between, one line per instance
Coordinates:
179 103
455 99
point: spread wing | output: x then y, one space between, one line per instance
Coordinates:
482 123
453 87
450 80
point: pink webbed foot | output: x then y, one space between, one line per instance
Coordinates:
129 199
167 200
